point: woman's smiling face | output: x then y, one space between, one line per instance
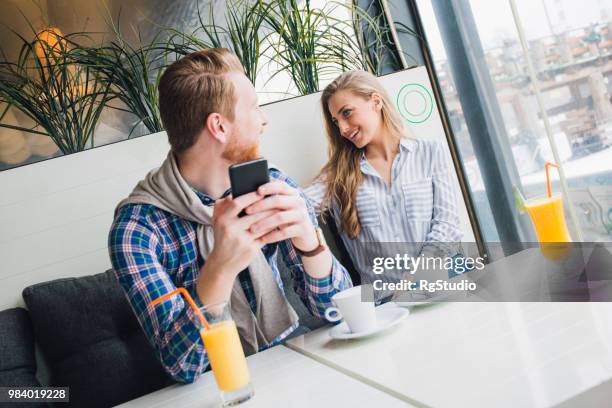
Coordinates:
358 119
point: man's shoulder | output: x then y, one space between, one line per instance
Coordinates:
140 217
136 212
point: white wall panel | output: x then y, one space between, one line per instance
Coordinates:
66 172
54 245
81 265
66 206
55 215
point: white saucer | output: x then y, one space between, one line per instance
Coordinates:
386 317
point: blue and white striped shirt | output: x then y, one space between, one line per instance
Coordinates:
419 206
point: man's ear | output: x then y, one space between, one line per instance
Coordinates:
218 127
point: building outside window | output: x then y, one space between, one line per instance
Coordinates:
570 48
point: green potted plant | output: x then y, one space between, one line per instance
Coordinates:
132 73
241 34
298 38
311 44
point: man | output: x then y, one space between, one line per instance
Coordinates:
180 227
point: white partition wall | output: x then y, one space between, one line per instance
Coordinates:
55 215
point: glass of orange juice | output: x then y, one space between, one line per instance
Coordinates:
548 219
225 354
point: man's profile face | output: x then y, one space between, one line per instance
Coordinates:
249 122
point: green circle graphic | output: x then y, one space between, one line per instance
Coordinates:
424 93
404 103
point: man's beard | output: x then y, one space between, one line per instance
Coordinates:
238 153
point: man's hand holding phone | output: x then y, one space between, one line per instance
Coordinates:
235 244
235 247
286 216
274 213
260 212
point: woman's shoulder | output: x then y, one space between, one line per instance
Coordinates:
429 145
317 189
276 174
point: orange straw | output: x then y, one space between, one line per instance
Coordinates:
189 299
548 190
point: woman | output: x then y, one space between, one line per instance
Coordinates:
379 185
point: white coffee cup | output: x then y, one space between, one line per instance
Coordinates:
359 315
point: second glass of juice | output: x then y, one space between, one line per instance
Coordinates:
225 355
548 219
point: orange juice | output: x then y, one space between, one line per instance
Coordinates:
549 222
226 355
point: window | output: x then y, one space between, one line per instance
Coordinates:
572 59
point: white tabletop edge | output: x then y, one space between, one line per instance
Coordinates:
355 376
179 395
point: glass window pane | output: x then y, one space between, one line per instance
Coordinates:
573 61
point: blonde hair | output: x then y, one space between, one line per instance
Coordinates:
342 172
191 89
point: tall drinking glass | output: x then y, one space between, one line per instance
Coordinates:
225 355
548 219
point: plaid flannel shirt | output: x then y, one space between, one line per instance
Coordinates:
153 252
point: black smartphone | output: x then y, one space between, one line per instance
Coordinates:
248 176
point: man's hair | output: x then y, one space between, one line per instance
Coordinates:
191 89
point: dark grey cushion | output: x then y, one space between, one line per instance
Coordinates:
17 361
307 320
336 246
92 340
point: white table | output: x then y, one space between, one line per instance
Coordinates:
443 355
482 355
281 378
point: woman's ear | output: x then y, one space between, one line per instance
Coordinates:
377 100
217 126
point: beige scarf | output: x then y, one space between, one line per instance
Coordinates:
166 189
